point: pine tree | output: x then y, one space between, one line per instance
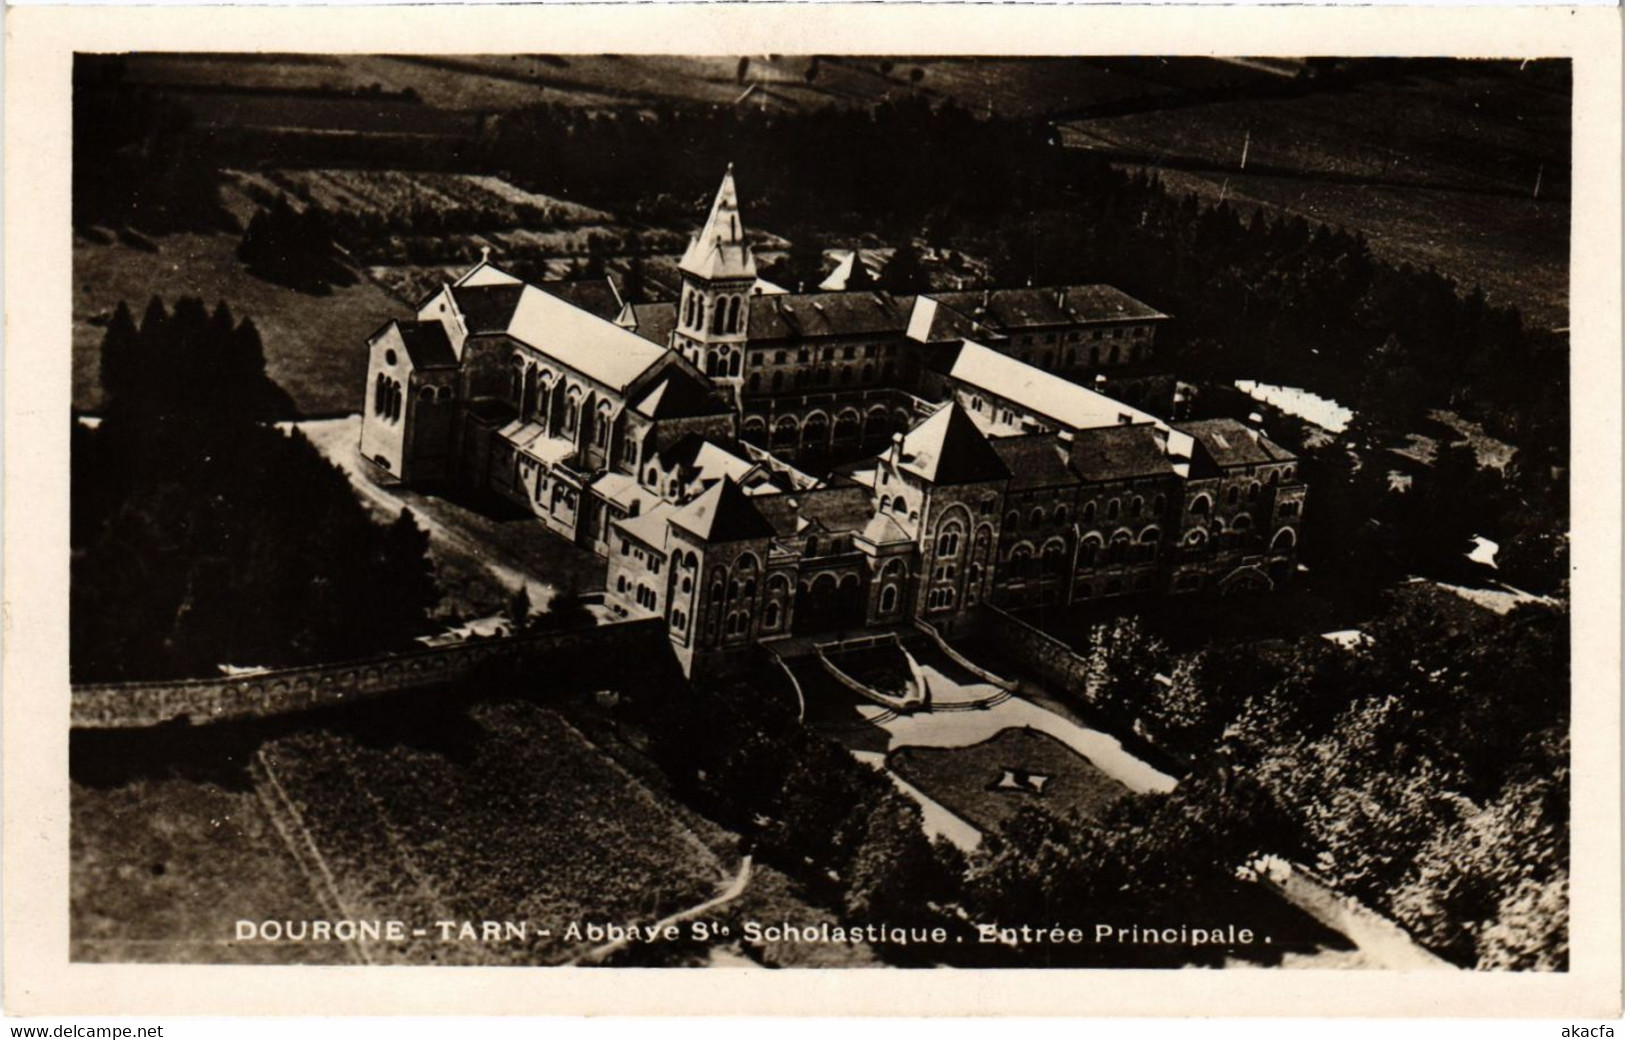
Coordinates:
121 353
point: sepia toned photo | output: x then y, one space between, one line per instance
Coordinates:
820 510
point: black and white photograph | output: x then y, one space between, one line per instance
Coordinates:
820 511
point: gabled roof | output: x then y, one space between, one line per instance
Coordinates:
487 273
696 457
932 322
719 250
883 530
796 315
487 307
1015 309
1036 460
596 296
948 449
676 394
1231 443
592 346
426 344
1073 406
723 514
1109 453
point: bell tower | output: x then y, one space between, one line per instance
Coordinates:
713 313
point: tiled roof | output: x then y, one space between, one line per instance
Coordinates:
805 315
596 296
487 308
1035 460
1231 443
1011 309
719 250
426 344
723 514
832 509
1043 393
948 449
1120 453
597 348
678 395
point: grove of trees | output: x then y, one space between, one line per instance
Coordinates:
204 535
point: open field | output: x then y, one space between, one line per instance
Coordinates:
511 815
315 346
987 783
1438 169
162 868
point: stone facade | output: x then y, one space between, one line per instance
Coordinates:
756 464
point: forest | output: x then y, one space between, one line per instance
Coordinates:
188 551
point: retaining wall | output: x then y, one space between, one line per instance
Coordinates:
1051 660
285 690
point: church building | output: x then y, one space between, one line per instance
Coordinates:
756 464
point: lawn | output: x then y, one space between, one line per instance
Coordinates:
315 346
161 869
511 815
987 783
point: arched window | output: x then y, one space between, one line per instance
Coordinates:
948 540
888 599
1061 515
1275 477
1285 539
1089 551
1012 521
735 359
1113 508
733 315
718 318
1242 523
1196 538
1201 505
1088 512
1117 551
1021 561
1232 495
1252 491
770 616
1159 504
1036 519
1055 560
1136 506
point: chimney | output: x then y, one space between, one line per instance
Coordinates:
896 447
485 254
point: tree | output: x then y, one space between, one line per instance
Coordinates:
518 610
904 273
120 356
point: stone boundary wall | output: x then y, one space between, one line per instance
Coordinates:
286 690
960 659
1051 660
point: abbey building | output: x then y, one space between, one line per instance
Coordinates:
755 463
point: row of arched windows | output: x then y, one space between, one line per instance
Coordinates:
386 398
725 316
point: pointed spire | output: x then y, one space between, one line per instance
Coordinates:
719 251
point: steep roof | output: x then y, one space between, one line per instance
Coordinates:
1119 453
592 346
798 315
724 513
948 449
1043 393
487 307
1036 460
883 530
719 251
676 394
426 344
1025 308
595 295
1231 443
487 273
